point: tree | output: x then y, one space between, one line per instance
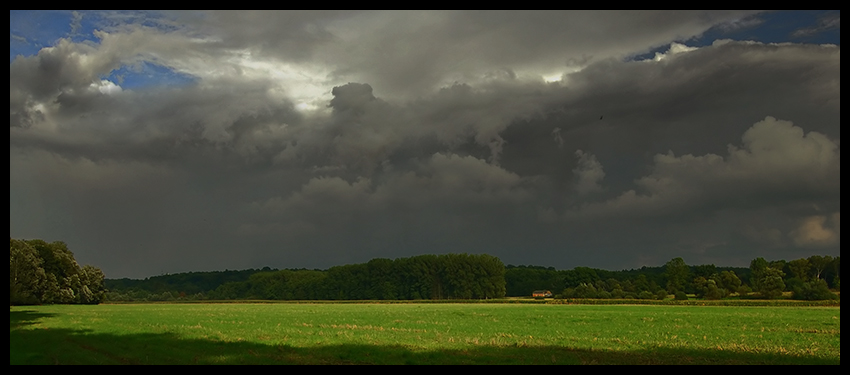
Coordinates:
93 280
819 264
814 290
382 278
676 272
833 273
26 276
705 270
580 275
770 283
42 272
639 284
800 268
707 288
757 268
730 281
585 291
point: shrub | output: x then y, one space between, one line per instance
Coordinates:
681 296
618 293
585 291
646 295
814 290
714 292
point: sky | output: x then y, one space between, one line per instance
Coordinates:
164 142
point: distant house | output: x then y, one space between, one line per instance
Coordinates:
541 294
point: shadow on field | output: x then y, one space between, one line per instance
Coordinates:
65 346
19 319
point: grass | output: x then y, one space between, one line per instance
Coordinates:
422 334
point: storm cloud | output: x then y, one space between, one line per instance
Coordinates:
313 139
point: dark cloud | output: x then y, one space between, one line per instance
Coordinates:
352 97
427 135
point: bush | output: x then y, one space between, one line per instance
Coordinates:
646 295
770 284
585 291
714 292
681 296
618 293
813 291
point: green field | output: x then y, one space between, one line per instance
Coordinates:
422 334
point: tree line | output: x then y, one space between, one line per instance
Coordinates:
448 276
806 278
478 276
45 273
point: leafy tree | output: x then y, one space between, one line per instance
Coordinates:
708 288
744 290
613 284
26 276
676 272
729 280
646 295
580 275
585 291
819 264
780 264
618 293
522 280
814 290
770 283
382 283
705 270
701 286
712 291
56 257
800 268
757 269
640 284
42 272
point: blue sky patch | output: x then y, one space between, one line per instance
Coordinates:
813 27
144 75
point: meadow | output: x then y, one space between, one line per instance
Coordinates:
285 333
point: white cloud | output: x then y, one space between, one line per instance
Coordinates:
675 49
107 87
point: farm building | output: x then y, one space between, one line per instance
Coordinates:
541 294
